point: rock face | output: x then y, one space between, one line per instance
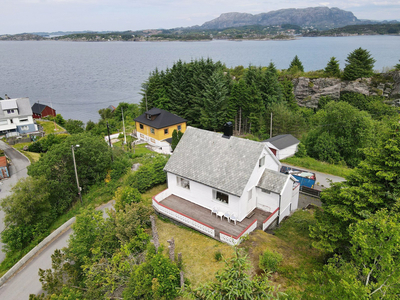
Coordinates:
319 17
308 91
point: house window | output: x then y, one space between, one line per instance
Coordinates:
11 121
152 130
166 131
10 111
182 182
24 127
148 117
141 126
23 120
224 198
3 122
179 127
261 162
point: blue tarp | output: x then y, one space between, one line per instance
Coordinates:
304 177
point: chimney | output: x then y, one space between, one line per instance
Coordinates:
228 130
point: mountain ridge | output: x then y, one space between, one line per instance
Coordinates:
317 17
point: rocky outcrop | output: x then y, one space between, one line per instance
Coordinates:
319 17
308 91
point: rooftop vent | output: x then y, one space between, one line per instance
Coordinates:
228 130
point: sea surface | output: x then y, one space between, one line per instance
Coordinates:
79 78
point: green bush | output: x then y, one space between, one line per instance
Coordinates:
150 174
269 261
218 255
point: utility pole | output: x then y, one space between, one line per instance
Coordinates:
76 173
123 124
270 128
109 142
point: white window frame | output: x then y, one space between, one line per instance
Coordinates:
152 131
183 182
261 161
220 200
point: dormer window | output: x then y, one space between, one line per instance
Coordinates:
10 111
148 117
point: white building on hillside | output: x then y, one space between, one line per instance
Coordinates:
233 177
16 117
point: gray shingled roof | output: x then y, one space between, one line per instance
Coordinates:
24 107
37 108
282 141
163 119
272 181
221 163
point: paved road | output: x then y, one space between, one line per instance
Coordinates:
26 280
17 171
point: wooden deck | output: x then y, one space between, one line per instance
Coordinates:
203 215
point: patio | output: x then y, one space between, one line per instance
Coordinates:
203 215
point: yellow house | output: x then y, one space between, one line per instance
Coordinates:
156 126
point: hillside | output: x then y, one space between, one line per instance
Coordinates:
364 29
317 17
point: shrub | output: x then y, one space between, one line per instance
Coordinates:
218 255
269 261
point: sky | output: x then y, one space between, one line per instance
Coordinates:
18 16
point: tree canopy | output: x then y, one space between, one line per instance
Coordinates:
332 68
359 63
296 65
93 159
338 131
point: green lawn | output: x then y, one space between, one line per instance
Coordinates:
319 166
32 156
50 127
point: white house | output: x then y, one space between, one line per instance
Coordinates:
228 175
16 117
283 146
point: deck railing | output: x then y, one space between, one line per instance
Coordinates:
235 240
169 212
271 218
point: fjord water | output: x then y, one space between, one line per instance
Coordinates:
79 78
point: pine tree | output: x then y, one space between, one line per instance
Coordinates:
359 64
332 68
215 96
272 68
397 67
296 65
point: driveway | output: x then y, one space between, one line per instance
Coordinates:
323 179
26 280
18 170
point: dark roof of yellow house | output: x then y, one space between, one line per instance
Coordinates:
158 118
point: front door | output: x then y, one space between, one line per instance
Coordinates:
252 200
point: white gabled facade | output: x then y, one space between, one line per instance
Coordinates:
16 116
229 175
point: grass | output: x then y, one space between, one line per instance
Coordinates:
48 127
32 156
319 166
291 240
197 251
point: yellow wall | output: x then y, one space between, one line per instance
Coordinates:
159 133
